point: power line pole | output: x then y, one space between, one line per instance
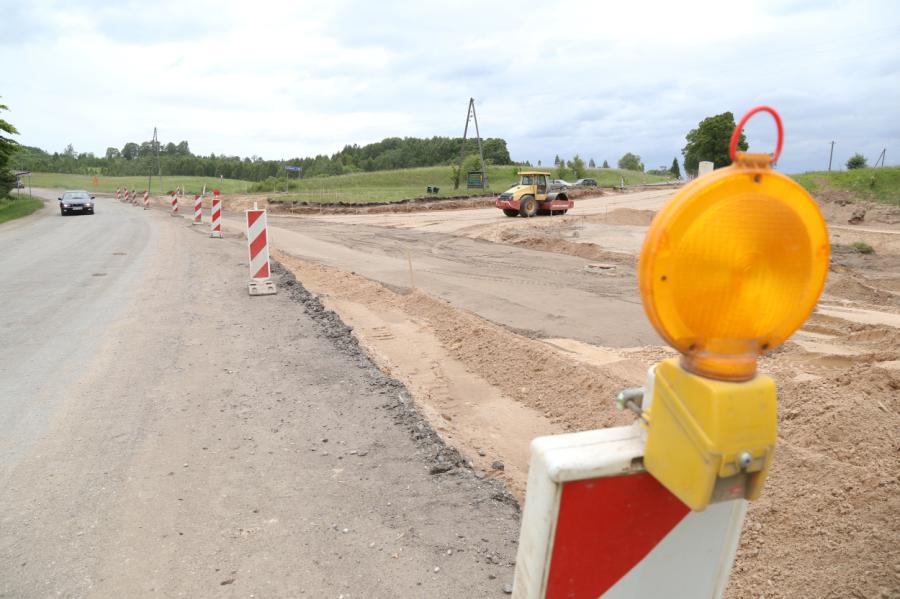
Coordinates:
470 115
155 143
880 158
830 155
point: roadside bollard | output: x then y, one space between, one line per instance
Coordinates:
125 194
174 211
216 218
147 200
258 247
198 210
118 194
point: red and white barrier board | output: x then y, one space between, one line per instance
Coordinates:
124 194
216 218
198 210
147 200
258 248
118 196
595 524
174 211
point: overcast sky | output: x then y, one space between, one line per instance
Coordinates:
297 78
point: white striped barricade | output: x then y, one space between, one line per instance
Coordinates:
118 197
198 210
134 198
174 211
216 218
124 194
147 199
596 524
258 249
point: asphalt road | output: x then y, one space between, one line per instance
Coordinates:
162 433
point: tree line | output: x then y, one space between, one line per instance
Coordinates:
177 159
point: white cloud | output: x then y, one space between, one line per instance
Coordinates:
282 79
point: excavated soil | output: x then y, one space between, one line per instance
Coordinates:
826 525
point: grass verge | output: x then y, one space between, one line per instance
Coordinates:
110 184
12 208
880 185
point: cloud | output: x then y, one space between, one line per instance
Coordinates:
281 79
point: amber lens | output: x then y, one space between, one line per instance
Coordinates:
732 266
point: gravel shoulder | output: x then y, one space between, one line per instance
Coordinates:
216 444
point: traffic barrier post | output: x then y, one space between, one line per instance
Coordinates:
216 218
147 199
655 509
118 196
174 211
258 248
198 210
125 194
596 524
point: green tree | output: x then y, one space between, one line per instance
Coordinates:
605 164
709 141
562 171
592 164
577 167
631 162
8 146
112 153
557 161
857 161
130 151
675 169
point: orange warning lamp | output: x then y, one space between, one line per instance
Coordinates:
730 268
734 264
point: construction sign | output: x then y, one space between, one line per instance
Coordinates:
596 524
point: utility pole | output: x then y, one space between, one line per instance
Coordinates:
830 155
155 143
470 115
880 158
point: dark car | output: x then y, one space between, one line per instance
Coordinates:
586 183
78 201
20 184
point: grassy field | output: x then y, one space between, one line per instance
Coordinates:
109 184
395 185
874 184
377 186
12 208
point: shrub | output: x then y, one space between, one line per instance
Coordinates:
856 161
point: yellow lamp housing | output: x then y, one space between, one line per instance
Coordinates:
709 440
729 269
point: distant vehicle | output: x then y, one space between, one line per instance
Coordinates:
532 195
559 184
76 201
586 183
20 184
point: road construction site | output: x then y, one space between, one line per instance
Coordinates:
505 329
493 330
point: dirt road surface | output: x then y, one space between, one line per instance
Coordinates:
505 328
162 433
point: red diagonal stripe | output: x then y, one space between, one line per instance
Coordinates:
252 216
605 527
257 244
263 272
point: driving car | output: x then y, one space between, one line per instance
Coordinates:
559 184
76 201
586 183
